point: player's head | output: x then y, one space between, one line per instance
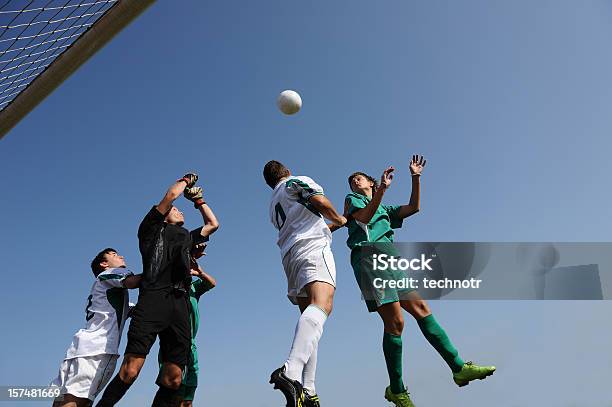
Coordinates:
175 217
274 171
362 183
107 259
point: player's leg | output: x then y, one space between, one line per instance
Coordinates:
141 336
169 384
310 271
317 307
187 394
128 372
463 372
311 399
175 349
190 379
393 320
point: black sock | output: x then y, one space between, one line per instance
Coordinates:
166 397
113 392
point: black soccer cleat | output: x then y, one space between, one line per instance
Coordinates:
311 401
292 389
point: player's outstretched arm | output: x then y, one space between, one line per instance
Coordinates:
364 215
175 190
132 281
211 224
326 208
416 168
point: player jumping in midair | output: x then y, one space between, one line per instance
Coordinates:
372 222
297 209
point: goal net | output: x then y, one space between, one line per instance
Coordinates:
42 42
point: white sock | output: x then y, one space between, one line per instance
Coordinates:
309 372
307 334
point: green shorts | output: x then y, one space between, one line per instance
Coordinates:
187 393
373 283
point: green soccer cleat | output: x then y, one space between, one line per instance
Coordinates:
311 401
400 400
470 372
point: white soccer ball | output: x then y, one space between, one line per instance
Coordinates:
289 102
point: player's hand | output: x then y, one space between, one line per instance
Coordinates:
197 271
194 194
416 164
198 251
190 179
386 178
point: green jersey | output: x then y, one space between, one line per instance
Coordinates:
378 230
198 287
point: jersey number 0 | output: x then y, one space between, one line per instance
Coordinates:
279 215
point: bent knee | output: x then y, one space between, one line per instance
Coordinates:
129 373
172 382
394 326
418 309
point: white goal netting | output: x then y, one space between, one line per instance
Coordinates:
33 33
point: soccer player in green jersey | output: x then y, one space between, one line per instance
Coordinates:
369 221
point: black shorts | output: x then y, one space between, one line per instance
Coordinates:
164 313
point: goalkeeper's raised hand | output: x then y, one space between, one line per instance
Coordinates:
194 194
190 179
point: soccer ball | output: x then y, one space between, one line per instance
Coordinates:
289 102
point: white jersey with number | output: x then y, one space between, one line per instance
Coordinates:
294 216
105 314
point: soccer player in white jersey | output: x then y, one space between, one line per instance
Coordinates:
91 358
297 210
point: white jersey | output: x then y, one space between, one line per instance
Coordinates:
105 315
294 216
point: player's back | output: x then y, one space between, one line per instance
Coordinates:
293 215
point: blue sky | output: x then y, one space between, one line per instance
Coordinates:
508 100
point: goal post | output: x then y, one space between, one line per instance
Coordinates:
117 17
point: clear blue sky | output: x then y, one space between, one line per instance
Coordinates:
508 100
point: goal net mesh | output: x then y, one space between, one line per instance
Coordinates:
33 33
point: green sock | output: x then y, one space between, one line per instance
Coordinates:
436 336
392 348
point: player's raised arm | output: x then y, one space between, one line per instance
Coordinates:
416 168
175 190
195 195
329 212
364 215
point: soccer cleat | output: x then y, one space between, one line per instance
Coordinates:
292 389
470 372
311 401
400 400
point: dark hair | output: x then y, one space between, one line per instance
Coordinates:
371 179
273 172
96 267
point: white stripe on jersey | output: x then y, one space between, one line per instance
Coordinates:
293 215
105 315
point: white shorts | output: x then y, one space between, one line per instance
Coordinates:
305 262
85 377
